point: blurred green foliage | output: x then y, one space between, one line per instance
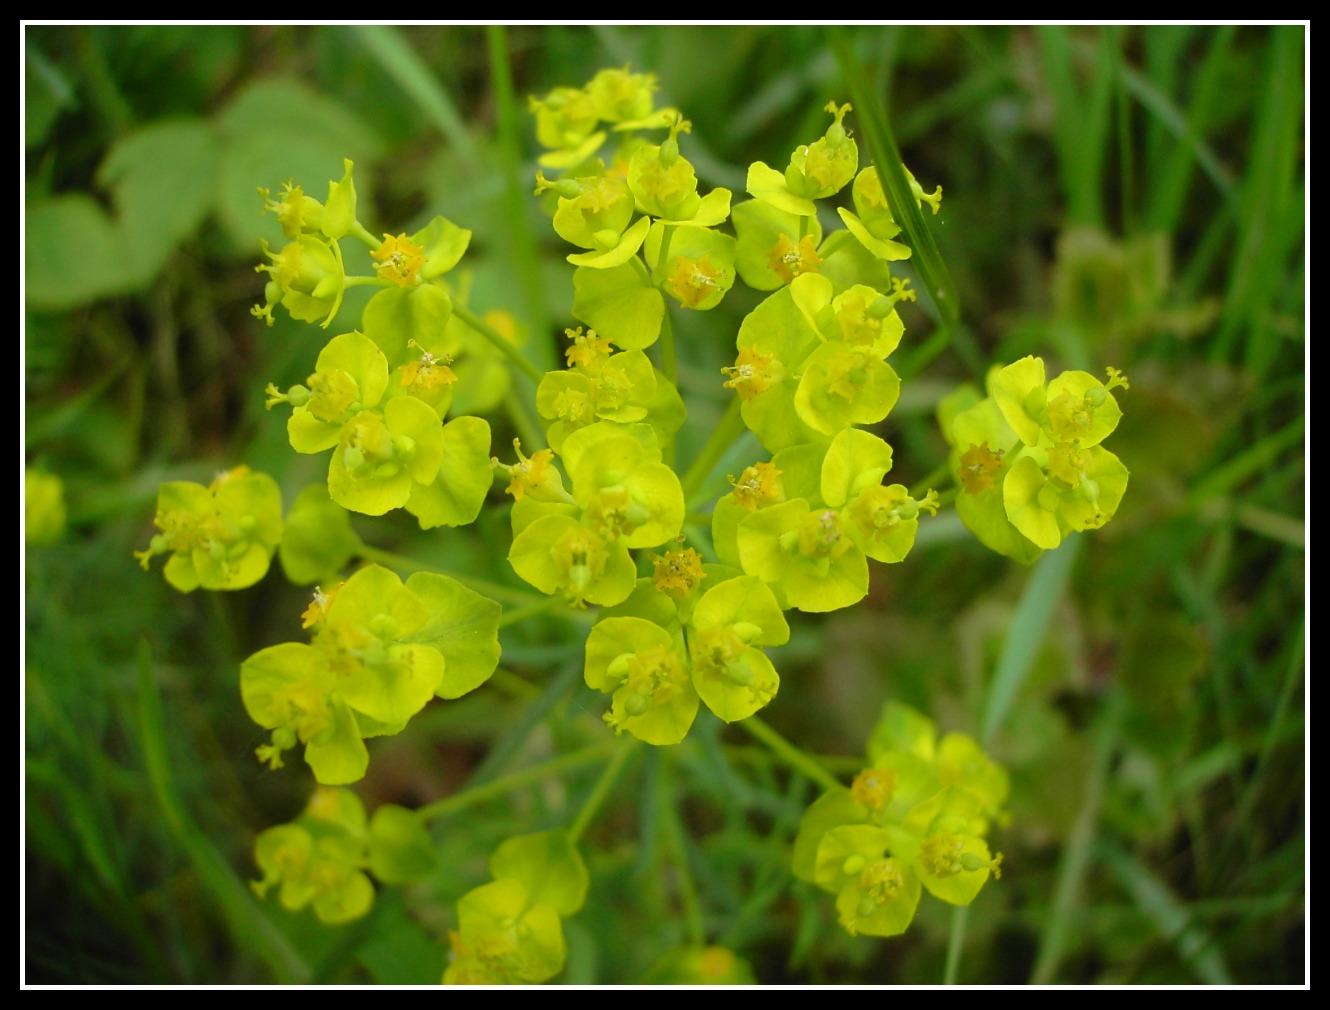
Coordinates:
1125 196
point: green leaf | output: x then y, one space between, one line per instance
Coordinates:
855 460
758 227
275 131
769 186
830 810
463 625
163 180
73 254
46 90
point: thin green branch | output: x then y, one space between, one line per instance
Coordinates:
520 239
243 915
513 781
505 346
676 849
881 142
1080 843
494 590
626 746
789 753
960 916
722 437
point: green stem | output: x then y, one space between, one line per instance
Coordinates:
601 789
1075 858
1042 593
359 281
500 342
789 753
545 606
402 563
641 268
245 918
102 89
955 943
668 812
524 420
931 481
513 781
663 256
668 359
521 242
365 235
722 437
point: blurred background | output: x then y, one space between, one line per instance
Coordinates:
1120 196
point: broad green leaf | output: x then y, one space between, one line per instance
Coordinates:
279 130
73 254
162 179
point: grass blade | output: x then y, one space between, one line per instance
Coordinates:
250 928
881 143
1169 915
1043 592
403 64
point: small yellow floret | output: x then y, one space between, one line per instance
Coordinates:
527 472
587 349
677 571
789 259
399 260
694 281
752 373
873 787
427 372
759 484
978 465
318 607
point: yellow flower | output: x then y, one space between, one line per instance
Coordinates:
759 484
677 571
399 260
789 259
752 373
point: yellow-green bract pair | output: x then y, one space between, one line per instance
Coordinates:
320 859
510 931
915 820
219 537
389 445
623 497
674 643
1028 457
380 651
